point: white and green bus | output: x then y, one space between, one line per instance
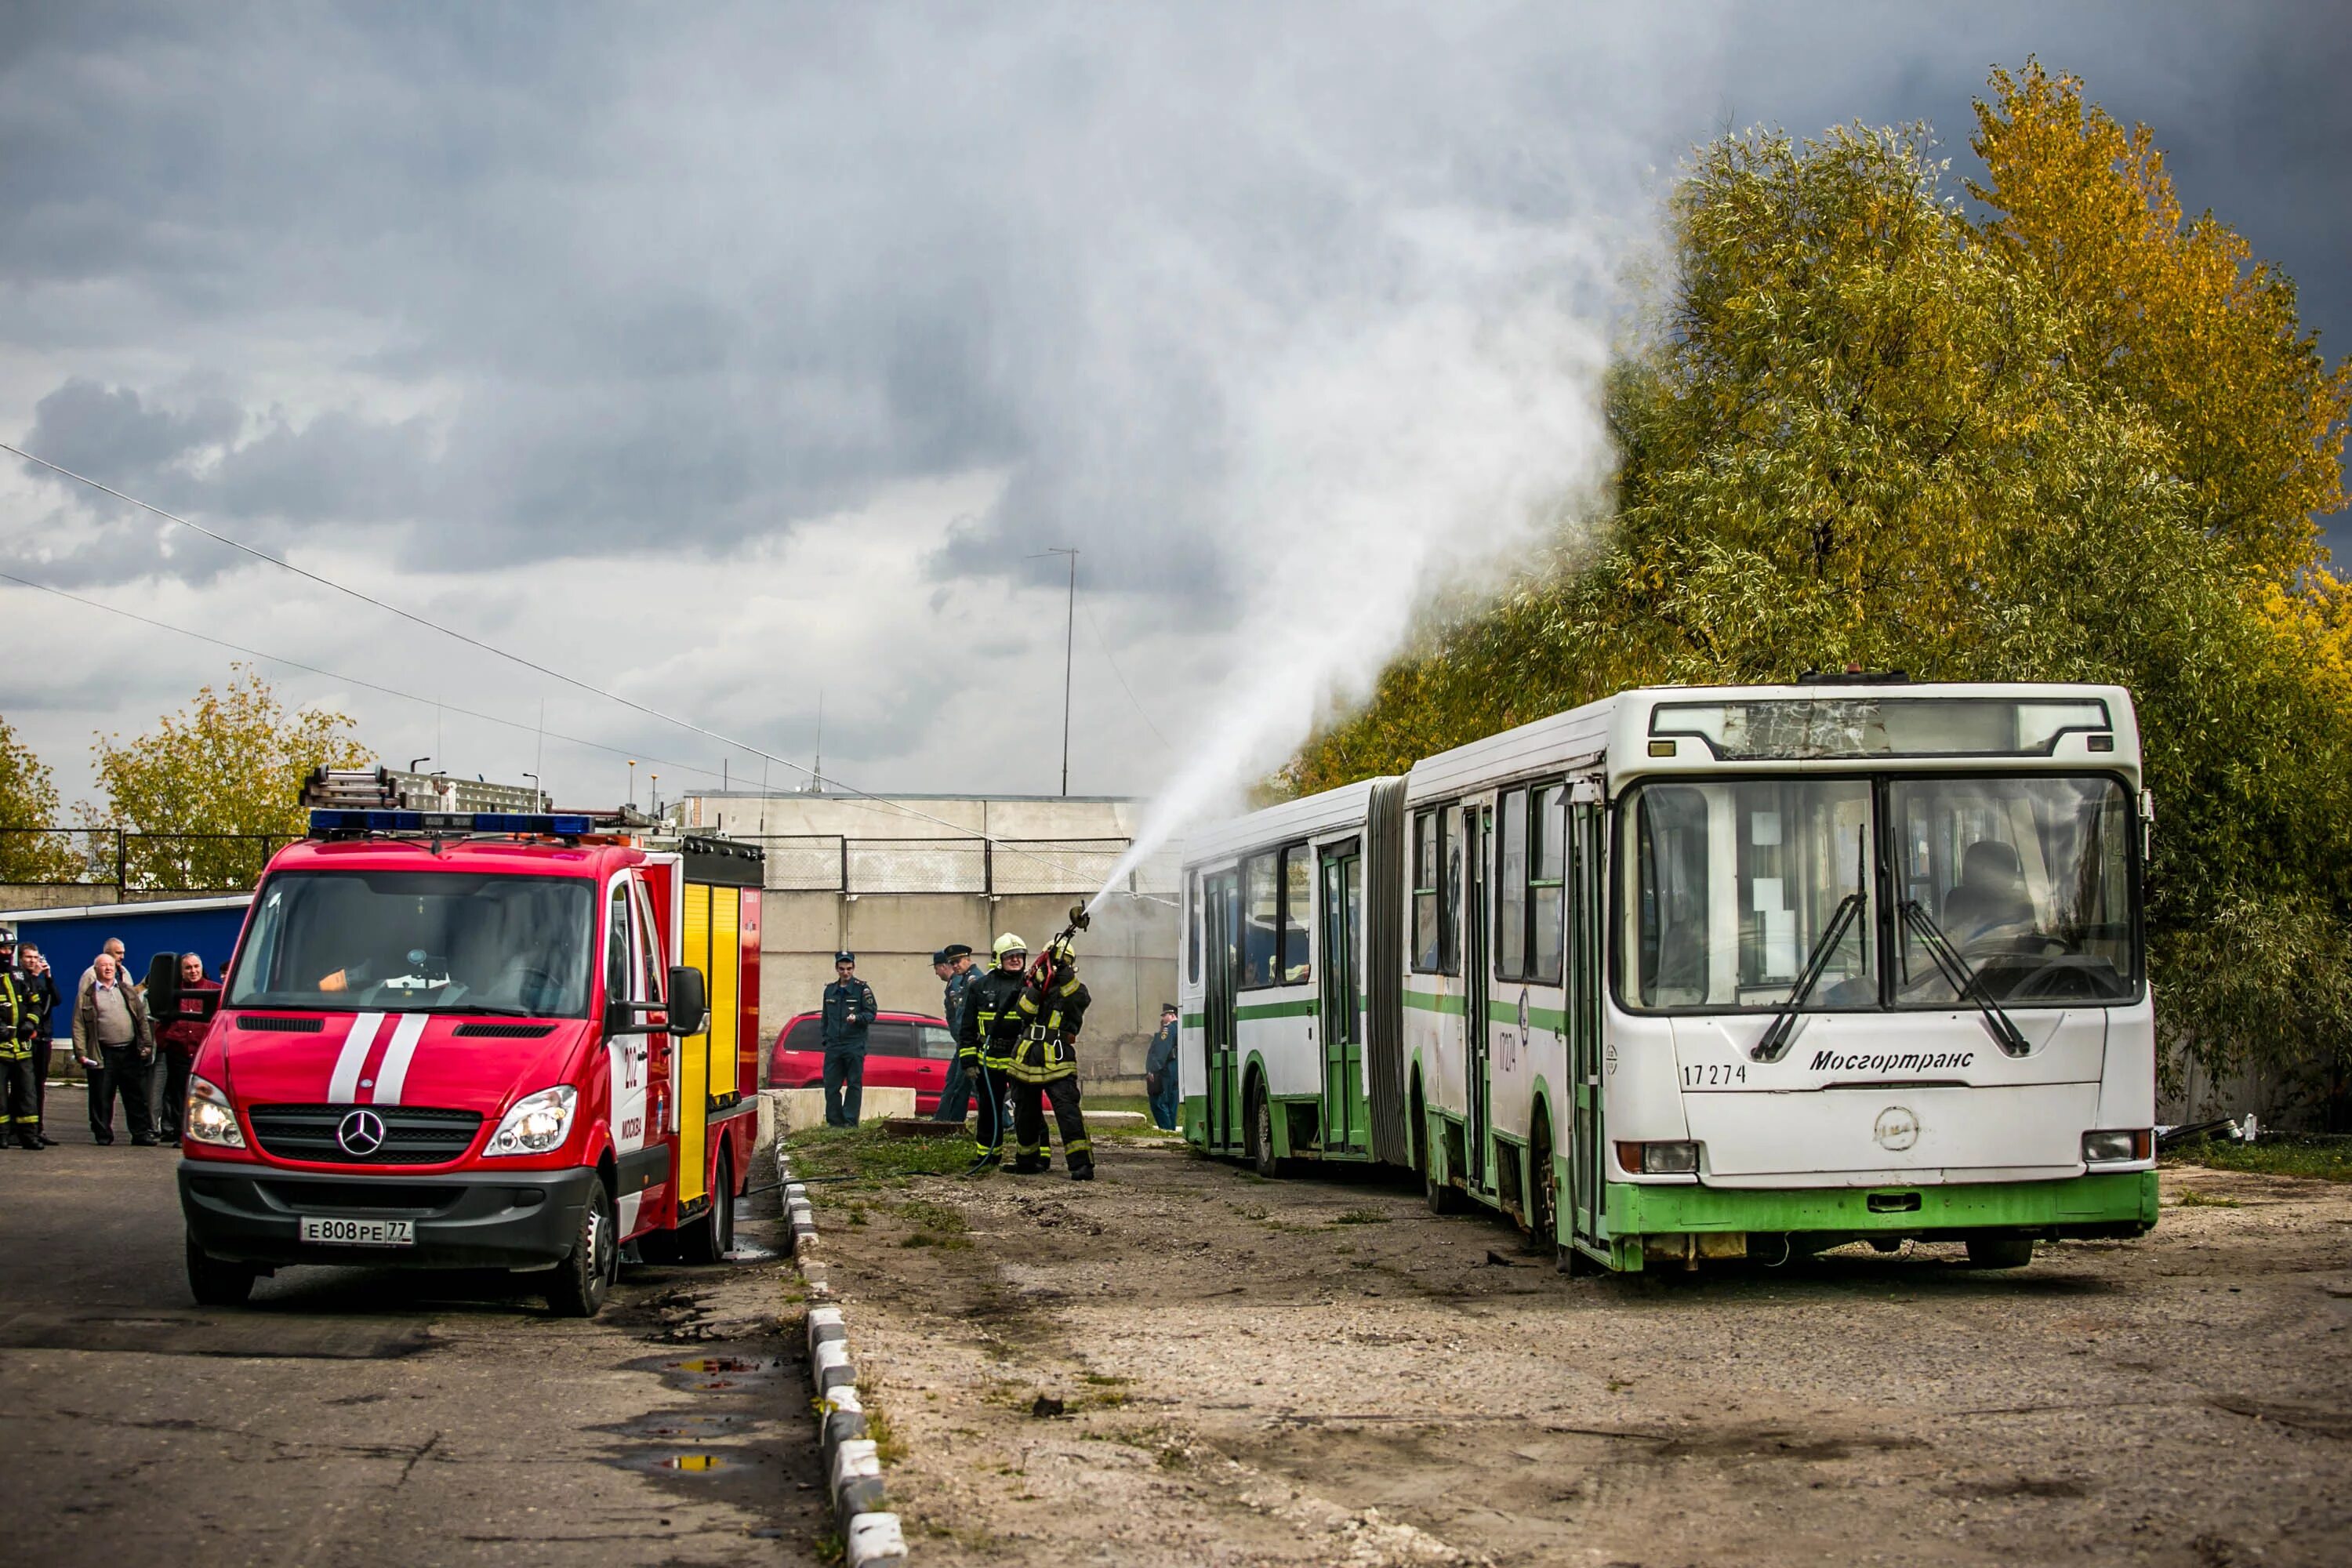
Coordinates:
1706 973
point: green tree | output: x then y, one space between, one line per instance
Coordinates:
1858 428
231 763
28 799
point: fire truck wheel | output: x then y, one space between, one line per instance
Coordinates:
215 1282
580 1281
711 1238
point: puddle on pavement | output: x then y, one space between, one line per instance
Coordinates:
687 1424
715 1374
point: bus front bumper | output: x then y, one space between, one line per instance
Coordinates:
523 1219
1639 1216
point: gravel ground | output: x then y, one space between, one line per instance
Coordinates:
1185 1364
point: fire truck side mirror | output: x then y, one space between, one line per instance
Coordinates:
690 1001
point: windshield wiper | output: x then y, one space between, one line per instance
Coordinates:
1964 980
1783 1030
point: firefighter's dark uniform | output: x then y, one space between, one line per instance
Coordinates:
20 1094
987 1035
848 1009
1045 1067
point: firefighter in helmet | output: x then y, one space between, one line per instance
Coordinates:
1050 1012
986 1033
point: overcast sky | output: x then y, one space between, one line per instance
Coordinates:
725 357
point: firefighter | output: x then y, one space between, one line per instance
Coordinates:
988 1032
20 1096
1051 1011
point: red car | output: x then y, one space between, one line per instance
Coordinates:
903 1050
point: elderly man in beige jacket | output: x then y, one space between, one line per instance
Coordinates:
116 1043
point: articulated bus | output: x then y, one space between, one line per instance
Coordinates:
1696 973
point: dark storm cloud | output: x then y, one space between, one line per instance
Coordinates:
672 280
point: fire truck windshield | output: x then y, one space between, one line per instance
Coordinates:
418 941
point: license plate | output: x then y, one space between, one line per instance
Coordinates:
359 1232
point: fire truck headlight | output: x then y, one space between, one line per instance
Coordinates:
211 1118
536 1122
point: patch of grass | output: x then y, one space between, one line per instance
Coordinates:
830 1549
2192 1199
1249 1211
856 1214
944 1218
865 1156
1363 1217
2320 1156
1174 1459
888 1446
944 1243
1104 1379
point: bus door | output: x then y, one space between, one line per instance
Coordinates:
1221 897
1343 1027
1477 826
1585 919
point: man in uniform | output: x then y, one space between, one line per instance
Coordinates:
20 1097
1049 1014
37 989
952 964
849 1011
1159 1070
989 1032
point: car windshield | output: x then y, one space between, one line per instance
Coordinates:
1732 888
418 941
2029 879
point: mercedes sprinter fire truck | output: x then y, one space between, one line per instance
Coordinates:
509 1040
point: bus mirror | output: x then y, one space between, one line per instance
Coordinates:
690 1001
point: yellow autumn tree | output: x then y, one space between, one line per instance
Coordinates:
203 794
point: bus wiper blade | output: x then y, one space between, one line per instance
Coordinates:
1964 980
1782 1029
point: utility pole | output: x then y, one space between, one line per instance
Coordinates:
1069 643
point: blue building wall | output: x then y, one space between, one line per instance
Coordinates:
70 937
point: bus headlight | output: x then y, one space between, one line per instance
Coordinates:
536 1123
210 1118
1659 1159
2111 1148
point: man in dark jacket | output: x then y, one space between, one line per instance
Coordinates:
952 964
849 1011
1159 1070
116 1045
193 1004
39 983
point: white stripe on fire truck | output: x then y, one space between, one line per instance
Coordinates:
394 1071
344 1087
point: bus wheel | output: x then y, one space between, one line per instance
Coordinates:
580 1281
215 1282
1261 1131
710 1238
2001 1251
1543 1193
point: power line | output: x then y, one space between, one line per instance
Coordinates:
348 680
1123 686
474 642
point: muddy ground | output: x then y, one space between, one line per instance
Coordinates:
1182 1363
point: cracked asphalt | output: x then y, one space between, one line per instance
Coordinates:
355 1415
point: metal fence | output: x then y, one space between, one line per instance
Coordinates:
831 863
134 862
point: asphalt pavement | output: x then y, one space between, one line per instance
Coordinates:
376 1416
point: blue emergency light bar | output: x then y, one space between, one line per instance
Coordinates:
325 819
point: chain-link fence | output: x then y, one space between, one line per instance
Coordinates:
134 864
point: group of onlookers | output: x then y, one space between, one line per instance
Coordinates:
119 1026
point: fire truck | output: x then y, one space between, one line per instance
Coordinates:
518 1040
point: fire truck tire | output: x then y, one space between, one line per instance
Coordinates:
215 1282
580 1281
710 1238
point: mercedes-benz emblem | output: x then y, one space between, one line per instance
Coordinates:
361 1134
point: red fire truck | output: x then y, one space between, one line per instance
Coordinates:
512 1040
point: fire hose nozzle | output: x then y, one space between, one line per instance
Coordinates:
1079 918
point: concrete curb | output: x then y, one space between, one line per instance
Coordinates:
870 1535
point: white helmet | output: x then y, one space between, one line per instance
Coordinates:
1009 942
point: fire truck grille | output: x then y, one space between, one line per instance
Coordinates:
413 1135
505 1031
269 1024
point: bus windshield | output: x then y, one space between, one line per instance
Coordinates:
418 941
1732 886
2017 891
2029 879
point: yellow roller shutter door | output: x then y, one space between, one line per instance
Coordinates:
693 1059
